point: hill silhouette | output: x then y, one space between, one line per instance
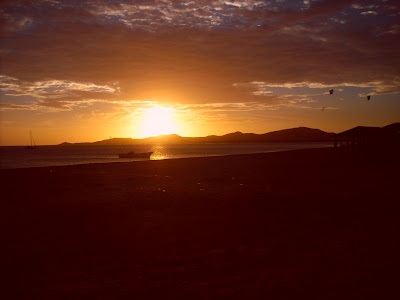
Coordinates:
300 134
372 139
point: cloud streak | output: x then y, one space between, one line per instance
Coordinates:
60 94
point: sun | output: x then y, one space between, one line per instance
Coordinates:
158 121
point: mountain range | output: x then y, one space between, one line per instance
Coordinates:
299 134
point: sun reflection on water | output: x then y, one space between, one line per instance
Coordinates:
159 152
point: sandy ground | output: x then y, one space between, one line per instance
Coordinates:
304 224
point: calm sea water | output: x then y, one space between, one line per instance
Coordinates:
19 157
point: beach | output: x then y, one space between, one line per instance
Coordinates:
301 224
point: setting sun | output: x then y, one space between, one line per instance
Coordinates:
158 121
197 149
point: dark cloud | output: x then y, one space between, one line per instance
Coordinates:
194 52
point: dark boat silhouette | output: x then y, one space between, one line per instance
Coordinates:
132 154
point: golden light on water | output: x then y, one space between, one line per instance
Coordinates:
159 152
158 121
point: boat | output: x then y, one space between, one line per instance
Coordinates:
33 145
133 154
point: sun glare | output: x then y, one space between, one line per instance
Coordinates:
158 121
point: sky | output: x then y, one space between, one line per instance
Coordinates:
76 71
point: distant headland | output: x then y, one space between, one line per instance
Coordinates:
299 134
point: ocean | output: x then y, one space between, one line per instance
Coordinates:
44 156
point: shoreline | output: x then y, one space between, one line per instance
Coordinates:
53 156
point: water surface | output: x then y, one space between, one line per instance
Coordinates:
19 157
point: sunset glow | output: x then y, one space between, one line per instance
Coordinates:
158 121
180 149
195 68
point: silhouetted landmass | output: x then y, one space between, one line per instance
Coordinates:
363 138
300 134
393 128
388 130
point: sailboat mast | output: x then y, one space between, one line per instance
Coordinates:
33 144
32 140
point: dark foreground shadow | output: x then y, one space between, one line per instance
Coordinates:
307 224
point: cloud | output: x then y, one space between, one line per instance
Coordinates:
361 7
391 29
384 88
10 106
192 52
370 12
376 87
225 107
157 15
55 93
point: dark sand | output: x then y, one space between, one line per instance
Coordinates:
305 224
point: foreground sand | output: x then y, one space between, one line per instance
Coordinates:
307 224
